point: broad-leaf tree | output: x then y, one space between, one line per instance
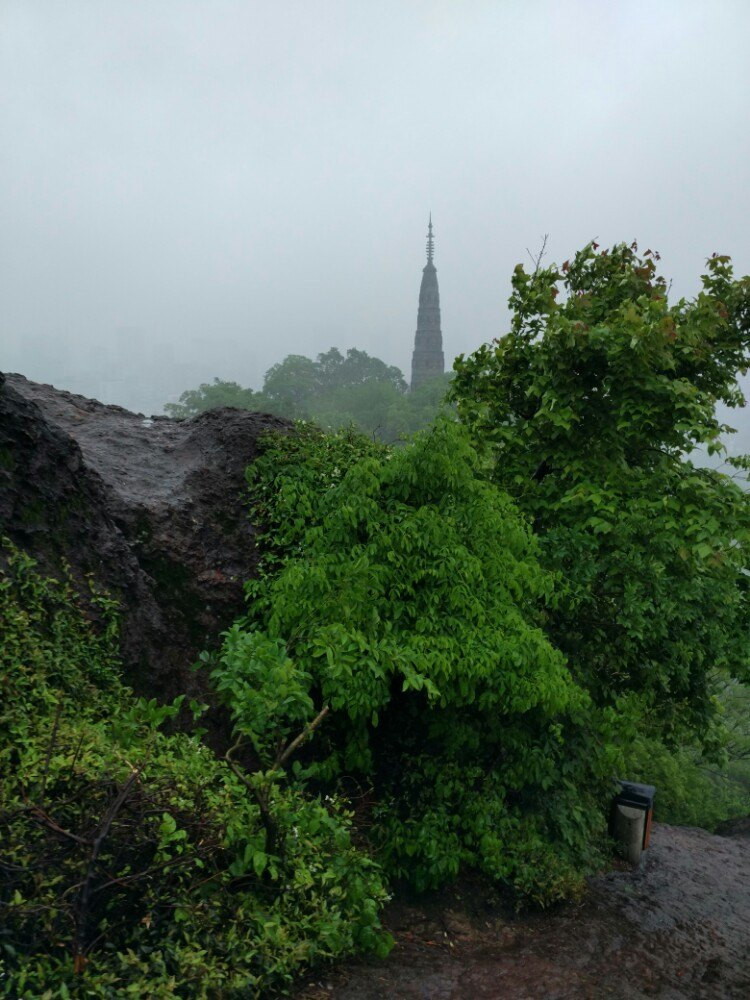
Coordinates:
588 412
404 600
211 395
334 390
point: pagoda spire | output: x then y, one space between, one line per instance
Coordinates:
427 360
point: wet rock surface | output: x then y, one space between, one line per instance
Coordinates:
678 926
151 508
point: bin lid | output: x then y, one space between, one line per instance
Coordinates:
633 793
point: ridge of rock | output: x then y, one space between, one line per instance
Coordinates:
151 508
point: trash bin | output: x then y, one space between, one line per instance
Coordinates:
630 818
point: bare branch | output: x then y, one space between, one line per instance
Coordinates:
537 261
75 755
38 813
50 748
83 902
238 744
307 731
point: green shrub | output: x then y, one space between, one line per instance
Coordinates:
695 786
400 617
690 791
132 861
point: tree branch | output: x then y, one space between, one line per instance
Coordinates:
262 794
537 261
38 813
50 748
307 731
83 902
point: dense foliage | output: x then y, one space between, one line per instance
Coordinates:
696 786
133 861
400 618
333 390
450 651
587 412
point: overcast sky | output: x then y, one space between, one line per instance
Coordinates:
196 188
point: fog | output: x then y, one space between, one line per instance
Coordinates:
192 189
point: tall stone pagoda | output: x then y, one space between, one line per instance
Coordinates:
427 360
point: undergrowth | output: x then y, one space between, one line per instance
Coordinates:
134 862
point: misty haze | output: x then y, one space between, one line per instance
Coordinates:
193 192
374 605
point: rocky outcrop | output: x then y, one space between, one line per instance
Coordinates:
151 509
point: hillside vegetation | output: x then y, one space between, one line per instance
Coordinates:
335 391
450 651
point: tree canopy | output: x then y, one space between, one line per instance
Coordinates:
334 390
587 412
211 396
404 599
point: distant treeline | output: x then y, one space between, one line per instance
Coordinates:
333 390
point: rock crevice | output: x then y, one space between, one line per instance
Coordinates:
151 509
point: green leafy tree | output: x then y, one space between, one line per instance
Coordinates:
400 619
335 391
357 368
356 390
210 395
587 412
417 409
367 407
291 384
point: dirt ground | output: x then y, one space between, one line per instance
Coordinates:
678 926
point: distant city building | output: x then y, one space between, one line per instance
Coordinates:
427 360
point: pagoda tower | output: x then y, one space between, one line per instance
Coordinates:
427 360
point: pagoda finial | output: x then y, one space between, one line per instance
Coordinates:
430 241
